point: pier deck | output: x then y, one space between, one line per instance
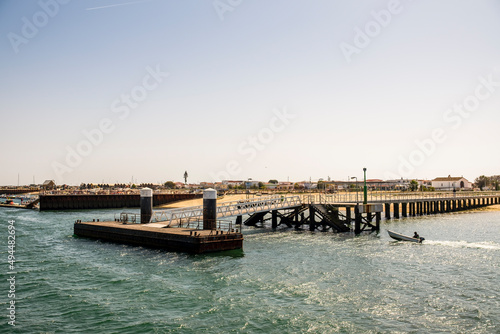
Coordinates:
155 235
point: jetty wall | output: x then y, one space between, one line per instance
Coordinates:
75 202
171 239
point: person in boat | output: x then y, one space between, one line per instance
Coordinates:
416 236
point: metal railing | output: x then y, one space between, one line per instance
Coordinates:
228 209
128 217
221 225
188 216
389 197
191 223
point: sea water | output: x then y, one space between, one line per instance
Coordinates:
282 282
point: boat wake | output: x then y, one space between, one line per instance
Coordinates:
464 244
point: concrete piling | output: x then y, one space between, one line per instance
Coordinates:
396 209
274 215
312 218
357 220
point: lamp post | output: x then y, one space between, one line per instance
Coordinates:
248 187
365 200
354 177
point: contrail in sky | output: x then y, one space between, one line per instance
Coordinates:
118 4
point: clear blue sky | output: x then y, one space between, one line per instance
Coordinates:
197 86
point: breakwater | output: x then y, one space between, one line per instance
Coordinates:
16 191
75 202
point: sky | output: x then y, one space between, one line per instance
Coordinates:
142 91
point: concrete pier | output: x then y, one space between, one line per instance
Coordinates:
89 201
158 235
324 215
154 236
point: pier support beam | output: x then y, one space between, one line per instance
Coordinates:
312 218
362 223
387 209
146 205
209 209
274 219
357 220
348 214
395 207
404 210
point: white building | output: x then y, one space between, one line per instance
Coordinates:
450 183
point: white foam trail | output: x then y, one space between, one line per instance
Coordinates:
464 244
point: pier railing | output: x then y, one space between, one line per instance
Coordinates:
389 197
192 215
229 209
197 224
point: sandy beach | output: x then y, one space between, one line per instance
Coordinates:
199 201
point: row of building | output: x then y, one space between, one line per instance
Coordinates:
439 183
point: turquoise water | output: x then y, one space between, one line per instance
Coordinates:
282 282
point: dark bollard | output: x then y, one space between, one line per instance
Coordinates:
146 205
209 209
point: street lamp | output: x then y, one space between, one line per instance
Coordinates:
354 177
365 200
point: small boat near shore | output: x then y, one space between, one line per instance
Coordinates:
402 237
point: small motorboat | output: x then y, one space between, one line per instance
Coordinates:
402 237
